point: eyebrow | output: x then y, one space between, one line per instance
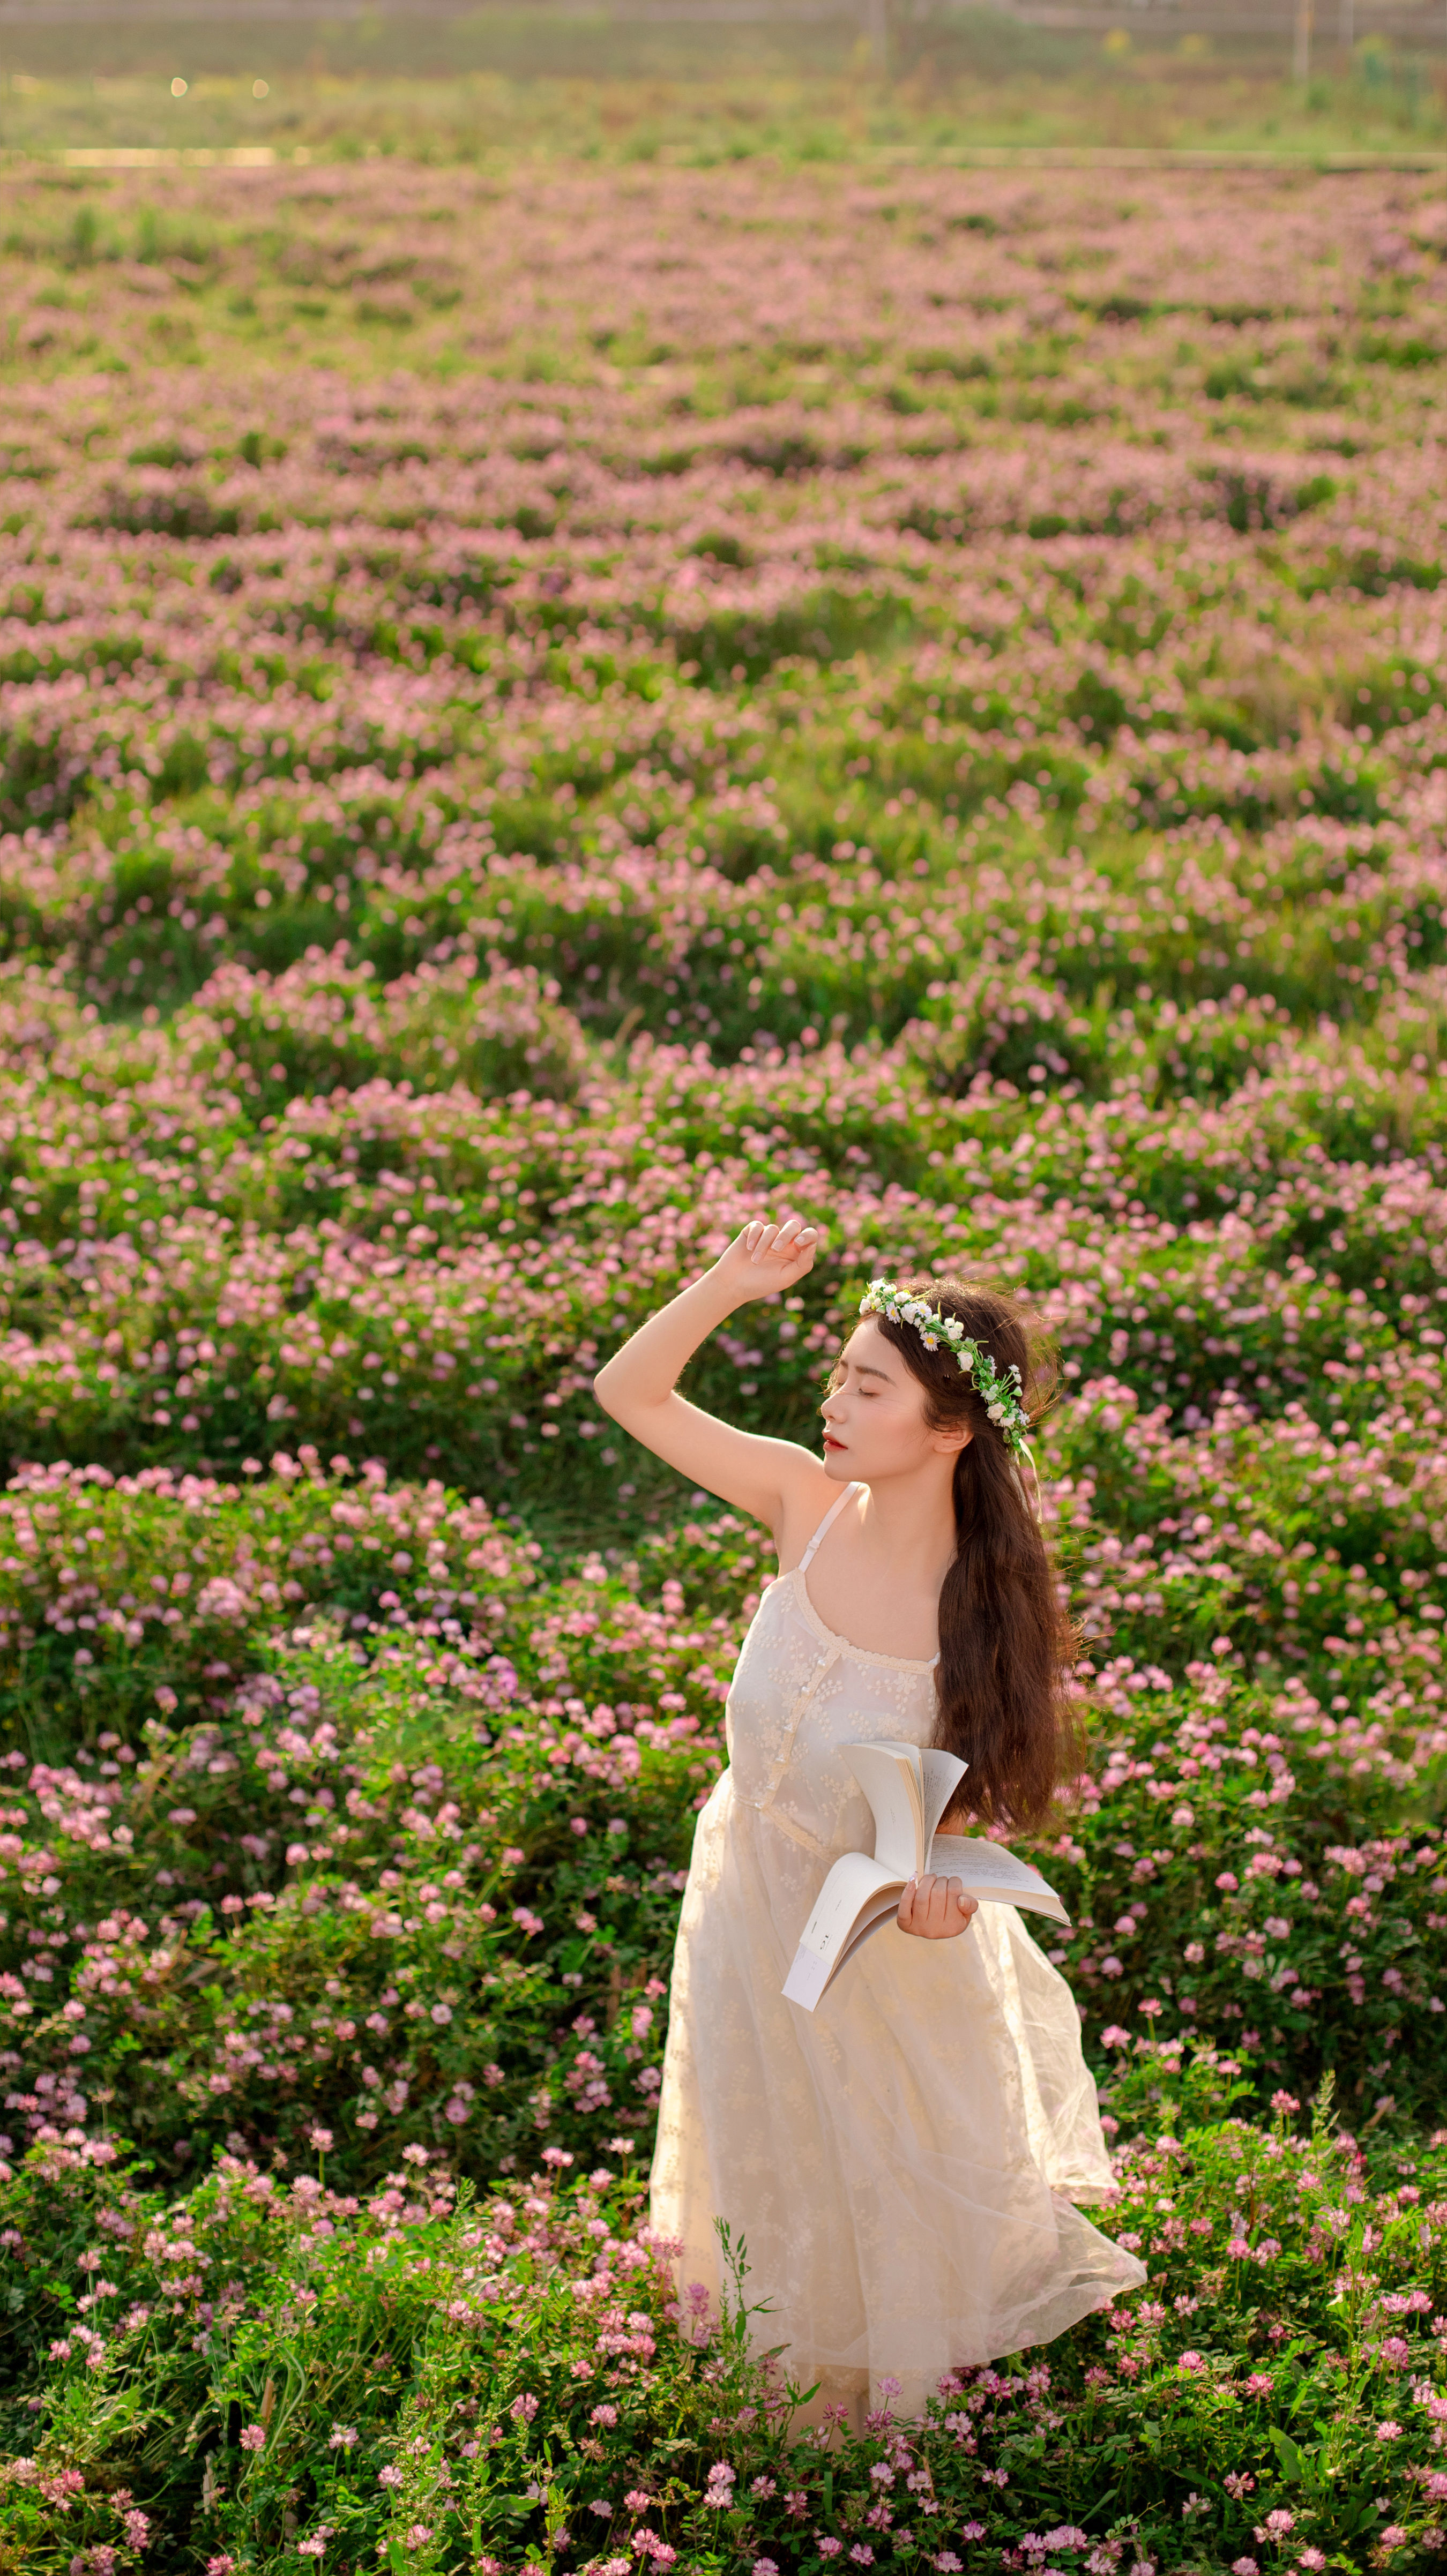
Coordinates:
860 1371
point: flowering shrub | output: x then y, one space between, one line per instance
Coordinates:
423 2371
951 742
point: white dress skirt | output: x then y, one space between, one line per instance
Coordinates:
903 2163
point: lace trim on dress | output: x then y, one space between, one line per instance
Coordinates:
861 1654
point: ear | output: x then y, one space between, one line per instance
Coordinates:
954 1437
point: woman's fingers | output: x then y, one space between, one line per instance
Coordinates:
775 1256
936 1909
795 1238
783 1242
944 1908
789 1243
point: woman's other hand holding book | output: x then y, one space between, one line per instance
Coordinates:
936 1908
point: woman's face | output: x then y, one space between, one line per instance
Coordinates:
874 1419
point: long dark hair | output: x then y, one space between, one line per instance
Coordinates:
1007 1646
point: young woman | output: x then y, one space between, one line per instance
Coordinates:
903 2163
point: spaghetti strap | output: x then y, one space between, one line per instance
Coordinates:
835 1508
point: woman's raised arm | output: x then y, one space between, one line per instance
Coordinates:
637 1386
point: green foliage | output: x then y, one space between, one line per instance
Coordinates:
448 2380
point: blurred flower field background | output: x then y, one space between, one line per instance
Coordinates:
709 87
542 716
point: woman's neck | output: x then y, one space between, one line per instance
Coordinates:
907 1524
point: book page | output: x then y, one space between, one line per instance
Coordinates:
856 1890
889 1775
994 1876
877 1911
941 1774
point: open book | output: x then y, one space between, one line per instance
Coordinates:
909 1787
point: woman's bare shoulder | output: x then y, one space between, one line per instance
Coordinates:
809 1497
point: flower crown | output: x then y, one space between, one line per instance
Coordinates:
1003 1396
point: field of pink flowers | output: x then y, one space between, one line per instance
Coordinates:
538 718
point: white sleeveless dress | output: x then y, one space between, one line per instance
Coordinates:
903 2162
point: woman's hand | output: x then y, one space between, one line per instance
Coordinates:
764 1259
638 1386
936 1908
